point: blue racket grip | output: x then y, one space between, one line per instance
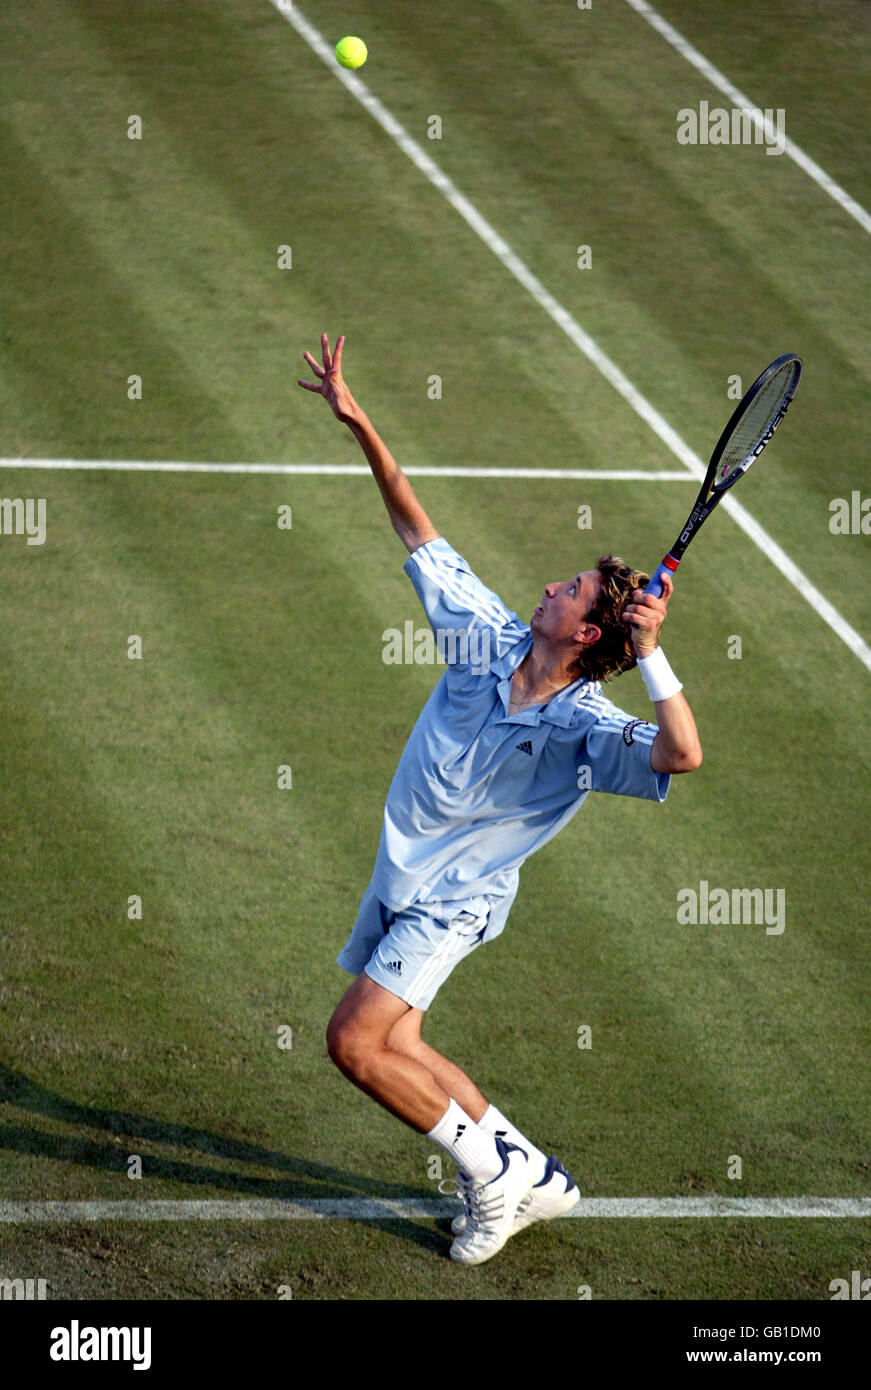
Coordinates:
668 566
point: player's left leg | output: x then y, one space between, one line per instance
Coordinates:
405 1037
553 1191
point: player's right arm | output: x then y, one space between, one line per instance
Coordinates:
410 521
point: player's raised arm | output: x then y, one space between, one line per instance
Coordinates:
410 521
676 747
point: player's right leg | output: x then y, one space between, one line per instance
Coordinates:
357 1041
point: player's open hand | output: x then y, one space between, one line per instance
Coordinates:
331 383
645 615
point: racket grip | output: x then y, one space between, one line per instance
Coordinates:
668 566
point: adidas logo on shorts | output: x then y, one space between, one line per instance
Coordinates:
395 966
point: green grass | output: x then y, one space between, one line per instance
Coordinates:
262 647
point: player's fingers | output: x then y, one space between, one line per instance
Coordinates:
308 385
318 371
640 617
337 355
650 602
325 349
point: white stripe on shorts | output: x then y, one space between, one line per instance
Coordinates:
455 938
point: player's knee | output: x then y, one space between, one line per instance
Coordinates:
347 1047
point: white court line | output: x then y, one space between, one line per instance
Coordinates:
722 83
357 470
573 330
375 1209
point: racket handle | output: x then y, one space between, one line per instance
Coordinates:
668 566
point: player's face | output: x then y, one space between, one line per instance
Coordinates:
565 605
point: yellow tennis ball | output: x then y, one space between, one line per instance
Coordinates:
351 52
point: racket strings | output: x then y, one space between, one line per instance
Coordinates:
757 420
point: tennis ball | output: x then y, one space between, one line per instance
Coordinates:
351 52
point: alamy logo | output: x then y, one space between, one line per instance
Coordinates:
524 747
25 1289
857 1287
850 518
452 646
742 125
23 516
76 1343
742 907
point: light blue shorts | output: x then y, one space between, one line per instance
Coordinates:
412 952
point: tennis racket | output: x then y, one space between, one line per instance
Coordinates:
751 427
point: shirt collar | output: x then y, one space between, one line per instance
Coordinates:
559 710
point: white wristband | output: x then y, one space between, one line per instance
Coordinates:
658 676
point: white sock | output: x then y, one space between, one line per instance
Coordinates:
471 1147
494 1122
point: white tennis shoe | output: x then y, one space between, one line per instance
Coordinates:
552 1196
491 1207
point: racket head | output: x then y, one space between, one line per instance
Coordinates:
749 429
754 421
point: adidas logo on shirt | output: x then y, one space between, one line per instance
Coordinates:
524 747
394 965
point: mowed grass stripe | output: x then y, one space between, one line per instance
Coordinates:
204 690
245 156
761 120
69 385
813 44
198 276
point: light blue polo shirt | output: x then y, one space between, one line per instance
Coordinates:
478 790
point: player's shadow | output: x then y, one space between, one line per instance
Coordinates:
129 1133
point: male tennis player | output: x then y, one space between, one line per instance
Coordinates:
508 744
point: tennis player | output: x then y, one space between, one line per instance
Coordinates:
511 740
